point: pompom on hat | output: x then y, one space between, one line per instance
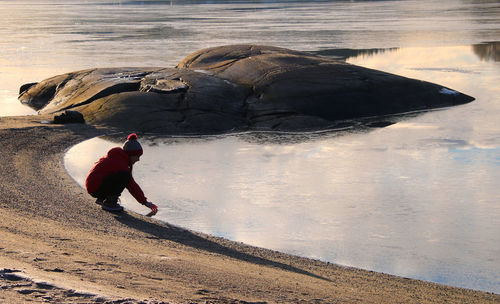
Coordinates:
132 146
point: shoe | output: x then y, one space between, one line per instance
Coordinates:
111 204
99 201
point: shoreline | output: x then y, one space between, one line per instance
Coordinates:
58 246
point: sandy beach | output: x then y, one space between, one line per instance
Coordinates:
58 246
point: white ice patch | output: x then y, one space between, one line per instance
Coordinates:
448 91
204 72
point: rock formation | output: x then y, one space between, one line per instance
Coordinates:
236 87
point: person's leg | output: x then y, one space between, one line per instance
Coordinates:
111 188
113 185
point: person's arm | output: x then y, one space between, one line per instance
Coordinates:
138 194
136 191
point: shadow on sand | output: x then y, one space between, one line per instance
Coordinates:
185 237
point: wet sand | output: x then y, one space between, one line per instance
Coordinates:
58 246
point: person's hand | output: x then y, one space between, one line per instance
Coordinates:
153 207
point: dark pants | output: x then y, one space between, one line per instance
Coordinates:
113 185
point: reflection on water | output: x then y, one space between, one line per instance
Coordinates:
349 53
418 198
487 51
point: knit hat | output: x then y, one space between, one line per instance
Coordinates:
132 146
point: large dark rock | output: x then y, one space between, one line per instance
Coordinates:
237 87
69 117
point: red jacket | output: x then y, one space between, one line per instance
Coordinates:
115 161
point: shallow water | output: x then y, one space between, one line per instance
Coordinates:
418 198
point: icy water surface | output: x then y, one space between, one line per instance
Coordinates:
418 198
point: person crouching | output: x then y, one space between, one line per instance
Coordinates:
112 173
